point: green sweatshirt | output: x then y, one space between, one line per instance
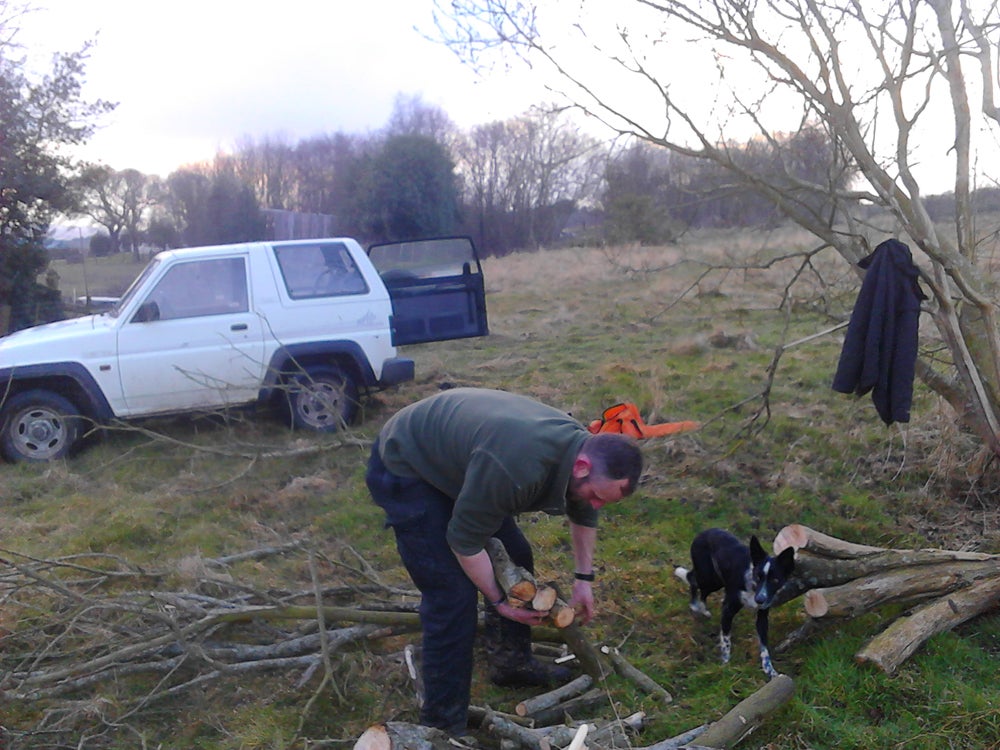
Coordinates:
496 453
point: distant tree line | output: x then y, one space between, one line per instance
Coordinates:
511 185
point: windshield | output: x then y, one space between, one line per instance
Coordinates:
130 292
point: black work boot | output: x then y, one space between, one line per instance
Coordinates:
530 673
508 652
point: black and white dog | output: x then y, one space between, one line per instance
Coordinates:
749 576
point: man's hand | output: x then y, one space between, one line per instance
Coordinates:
520 614
583 601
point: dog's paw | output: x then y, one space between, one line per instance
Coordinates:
699 608
767 666
681 573
725 648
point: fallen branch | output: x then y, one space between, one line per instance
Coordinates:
571 689
748 714
585 652
501 726
646 683
573 708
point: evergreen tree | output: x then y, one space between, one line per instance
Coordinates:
38 120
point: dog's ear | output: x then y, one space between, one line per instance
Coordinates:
786 559
757 553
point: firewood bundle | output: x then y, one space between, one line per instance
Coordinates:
523 590
843 579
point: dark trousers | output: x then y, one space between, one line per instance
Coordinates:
418 515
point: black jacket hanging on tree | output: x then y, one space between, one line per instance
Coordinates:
880 349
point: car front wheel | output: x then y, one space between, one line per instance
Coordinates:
323 399
38 426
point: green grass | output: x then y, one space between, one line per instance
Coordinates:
101 277
577 331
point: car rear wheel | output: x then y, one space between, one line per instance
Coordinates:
323 399
38 426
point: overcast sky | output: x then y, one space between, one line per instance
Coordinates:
192 77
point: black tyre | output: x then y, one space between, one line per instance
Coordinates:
322 399
38 426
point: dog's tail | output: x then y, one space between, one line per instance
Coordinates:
682 573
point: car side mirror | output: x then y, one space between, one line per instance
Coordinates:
147 312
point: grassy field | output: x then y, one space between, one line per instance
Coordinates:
143 515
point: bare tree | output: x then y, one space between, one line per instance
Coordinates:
522 175
268 166
412 116
118 201
893 84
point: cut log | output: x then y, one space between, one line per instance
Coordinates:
577 707
397 735
517 583
896 644
801 537
905 585
748 714
512 730
545 598
545 700
561 615
630 672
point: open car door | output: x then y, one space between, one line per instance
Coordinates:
436 287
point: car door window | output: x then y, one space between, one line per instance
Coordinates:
319 270
205 287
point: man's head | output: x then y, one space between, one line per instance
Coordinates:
606 469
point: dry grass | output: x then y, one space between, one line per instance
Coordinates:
579 328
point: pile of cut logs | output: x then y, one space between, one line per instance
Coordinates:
841 579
